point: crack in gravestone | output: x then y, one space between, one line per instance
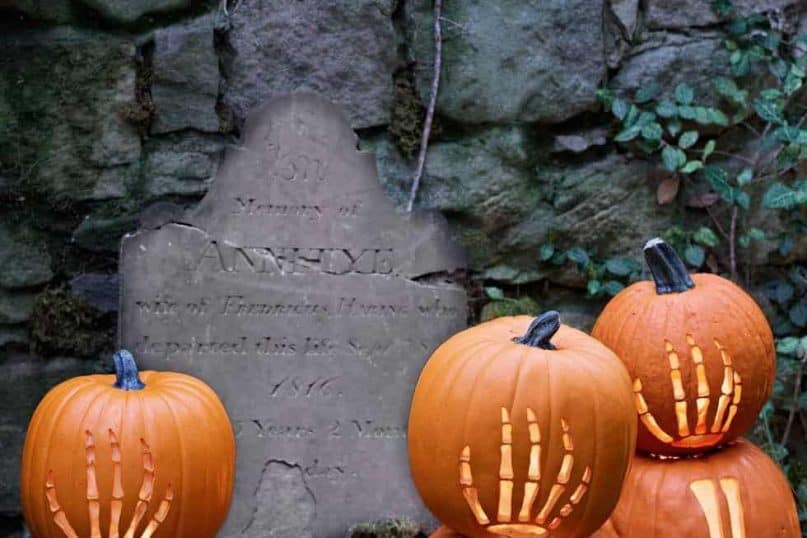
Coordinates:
310 304
282 495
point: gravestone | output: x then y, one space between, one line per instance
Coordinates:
299 293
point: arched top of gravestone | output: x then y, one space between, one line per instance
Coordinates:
299 180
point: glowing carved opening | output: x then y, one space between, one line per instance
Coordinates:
531 487
116 502
727 404
706 494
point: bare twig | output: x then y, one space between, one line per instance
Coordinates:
717 223
732 243
427 124
733 156
794 405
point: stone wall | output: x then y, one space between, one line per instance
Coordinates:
115 112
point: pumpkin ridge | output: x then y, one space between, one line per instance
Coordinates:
177 487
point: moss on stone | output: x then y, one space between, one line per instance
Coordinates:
481 248
510 307
406 114
63 324
391 528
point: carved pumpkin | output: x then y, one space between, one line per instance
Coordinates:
736 492
699 351
114 455
516 435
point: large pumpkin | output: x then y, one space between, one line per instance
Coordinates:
699 351
117 455
736 492
521 436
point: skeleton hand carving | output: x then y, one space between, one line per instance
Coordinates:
116 504
547 518
730 395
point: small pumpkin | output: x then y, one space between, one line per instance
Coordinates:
736 492
517 435
120 455
699 351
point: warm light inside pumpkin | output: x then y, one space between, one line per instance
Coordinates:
531 486
116 503
730 395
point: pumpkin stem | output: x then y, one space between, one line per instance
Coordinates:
669 272
541 331
127 376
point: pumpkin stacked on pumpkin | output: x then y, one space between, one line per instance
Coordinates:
701 359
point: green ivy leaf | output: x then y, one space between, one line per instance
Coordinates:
780 196
652 131
744 240
547 251
706 237
708 149
626 135
770 111
798 314
494 293
619 108
612 287
787 345
684 93
756 234
745 176
691 166
673 158
666 109
578 255
674 127
694 255
726 87
687 112
593 287
647 93
740 198
717 178
717 117
621 266
687 139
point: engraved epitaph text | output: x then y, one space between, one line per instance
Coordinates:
293 289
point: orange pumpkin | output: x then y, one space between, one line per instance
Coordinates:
736 492
117 455
521 436
699 351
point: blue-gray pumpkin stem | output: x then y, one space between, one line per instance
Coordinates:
127 376
669 272
541 331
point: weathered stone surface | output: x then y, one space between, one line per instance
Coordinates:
292 289
181 164
24 382
686 13
343 50
126 11
57 11
512 60
285 508
16 307
24 259
669 59
507 205
63 94
186 77
14 334
98 289
627 13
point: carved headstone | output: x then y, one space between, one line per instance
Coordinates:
300 294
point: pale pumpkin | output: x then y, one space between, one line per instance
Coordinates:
129 456
699 351
515 435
